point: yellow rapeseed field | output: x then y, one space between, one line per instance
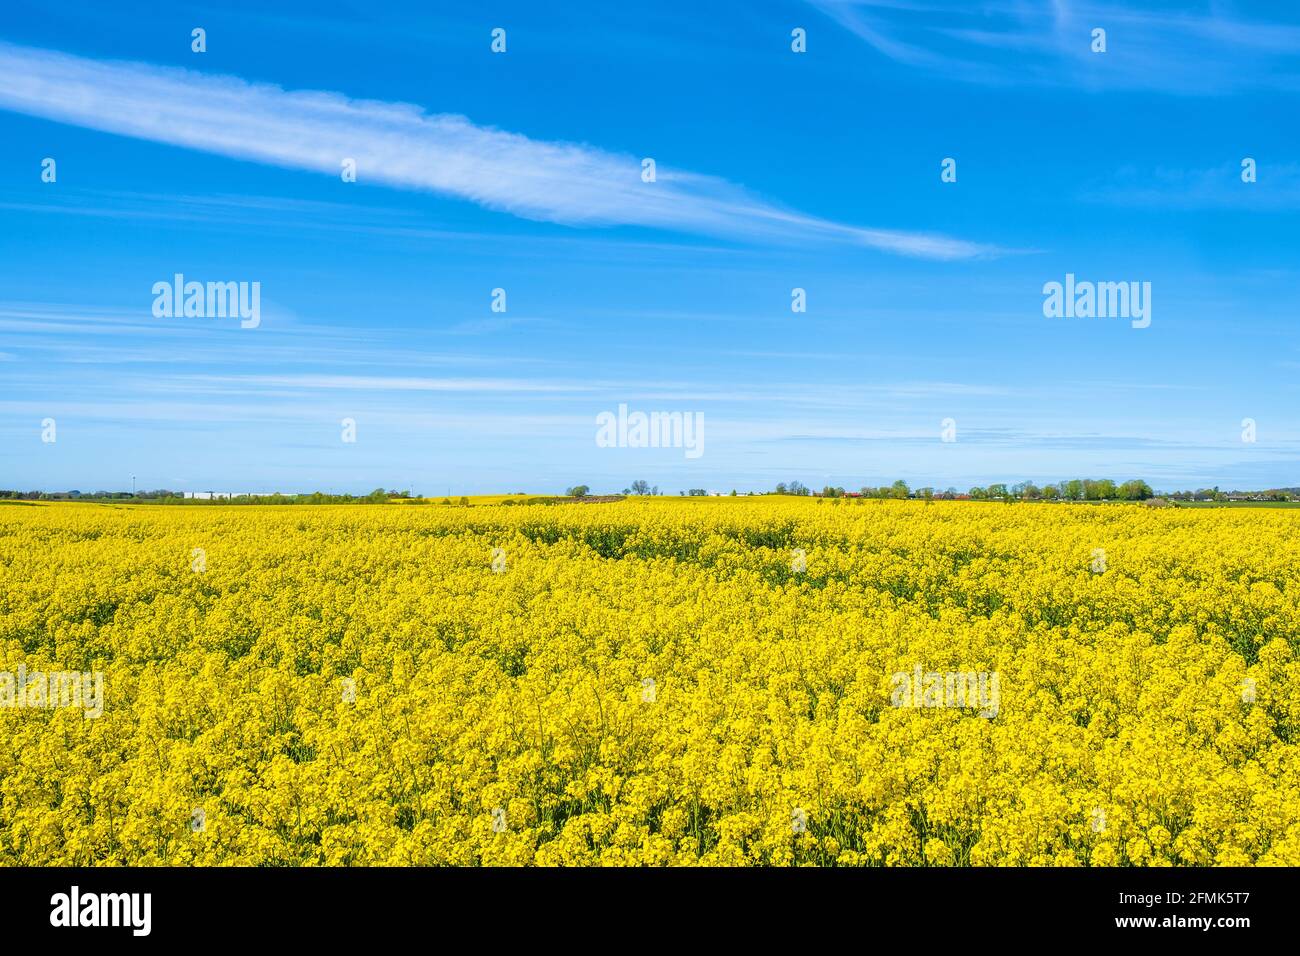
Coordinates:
664 682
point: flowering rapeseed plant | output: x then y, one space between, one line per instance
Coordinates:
652 682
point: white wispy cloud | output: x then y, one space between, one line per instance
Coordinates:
395 383
402 146
1173 47
1217 187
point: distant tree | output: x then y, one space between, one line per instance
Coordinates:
464 502
1135 490
998 491
577 491
898 489
639 487
697 492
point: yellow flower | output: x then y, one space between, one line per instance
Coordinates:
653 682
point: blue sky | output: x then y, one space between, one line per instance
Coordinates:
522 171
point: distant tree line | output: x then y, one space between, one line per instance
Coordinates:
1077 489
164 496
1214 494
794 488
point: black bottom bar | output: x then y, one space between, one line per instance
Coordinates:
338 906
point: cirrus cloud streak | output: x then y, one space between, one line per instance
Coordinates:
402 146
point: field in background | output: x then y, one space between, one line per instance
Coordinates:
643 682
1239 504
478 499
